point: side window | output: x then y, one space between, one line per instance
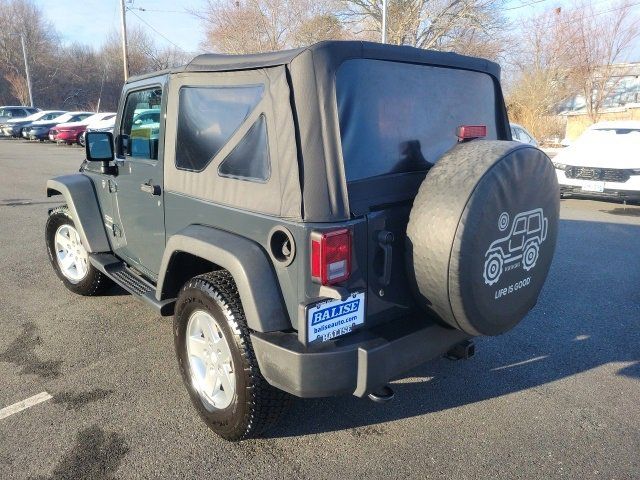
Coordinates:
143 135
534 224
207 119
521 226
249 160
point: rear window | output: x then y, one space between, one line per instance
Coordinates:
398 117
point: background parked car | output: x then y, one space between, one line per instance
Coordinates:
13 127
520 134
11 111
70 132
603 162
104 125
40 130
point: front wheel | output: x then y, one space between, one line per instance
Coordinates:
68 256
217 362
493 268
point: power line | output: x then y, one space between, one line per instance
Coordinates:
541 1
602 12
524 5
154 29
141 9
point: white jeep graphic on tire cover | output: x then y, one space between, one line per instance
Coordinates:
528 231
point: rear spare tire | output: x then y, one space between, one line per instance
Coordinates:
482 233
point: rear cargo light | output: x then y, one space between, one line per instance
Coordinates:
469 132
331 256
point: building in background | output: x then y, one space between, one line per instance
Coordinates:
622 103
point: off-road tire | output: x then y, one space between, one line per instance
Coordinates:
256 405
95 282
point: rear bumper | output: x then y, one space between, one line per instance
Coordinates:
67 136
608 193
356 364
40 135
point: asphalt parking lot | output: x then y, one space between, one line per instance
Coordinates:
558 396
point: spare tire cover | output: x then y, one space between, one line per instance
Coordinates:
481 234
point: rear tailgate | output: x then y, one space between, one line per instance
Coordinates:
396 121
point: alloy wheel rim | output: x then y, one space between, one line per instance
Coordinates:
72 257
210 361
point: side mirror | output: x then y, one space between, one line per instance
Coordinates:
99 146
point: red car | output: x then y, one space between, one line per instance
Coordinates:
70 133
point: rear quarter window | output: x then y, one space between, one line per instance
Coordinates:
207 118
398 117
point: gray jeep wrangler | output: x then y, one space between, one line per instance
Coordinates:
317 221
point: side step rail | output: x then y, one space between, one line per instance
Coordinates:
131 281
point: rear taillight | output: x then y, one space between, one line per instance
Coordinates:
331 256
469 132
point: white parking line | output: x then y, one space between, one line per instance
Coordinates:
24 404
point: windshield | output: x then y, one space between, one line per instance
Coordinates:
65 117
33 117
398 117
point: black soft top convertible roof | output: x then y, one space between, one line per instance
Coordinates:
330 53
304 82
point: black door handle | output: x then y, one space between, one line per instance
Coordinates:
150 188
385 239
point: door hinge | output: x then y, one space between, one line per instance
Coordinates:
117 231
113 186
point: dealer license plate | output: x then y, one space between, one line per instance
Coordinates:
593 187
333 318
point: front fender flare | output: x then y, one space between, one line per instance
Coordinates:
80 197
245 260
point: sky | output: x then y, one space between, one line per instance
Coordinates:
90 21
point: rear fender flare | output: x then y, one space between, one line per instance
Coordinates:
248 264
80 196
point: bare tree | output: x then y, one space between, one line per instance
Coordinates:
318 28
18 87
24 18
540 65
250 26
469 26
564 54
600 41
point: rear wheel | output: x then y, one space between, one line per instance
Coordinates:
530 255
217 362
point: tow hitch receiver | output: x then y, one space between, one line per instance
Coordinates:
382 395
462 351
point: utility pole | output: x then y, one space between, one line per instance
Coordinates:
384 21
125 55
26 67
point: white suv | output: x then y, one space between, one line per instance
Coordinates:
603 162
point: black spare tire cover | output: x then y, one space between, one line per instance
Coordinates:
481 234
